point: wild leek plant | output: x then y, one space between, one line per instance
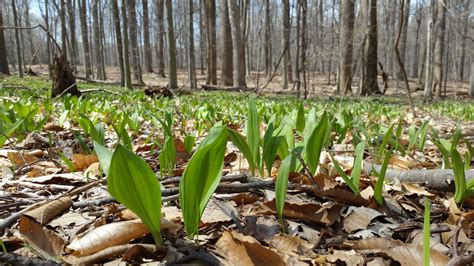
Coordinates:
314 141
353 181
462 190
132 182
381 178
426 234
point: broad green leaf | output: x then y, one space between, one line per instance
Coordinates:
200 179
271 143
380 180
132 183
281 187
456 137
243 147
444 151
357 167
423 132
9 131
104 155
167 156
300 120
344 176
459 176
253 131
385 140
189 143
315 143
426 234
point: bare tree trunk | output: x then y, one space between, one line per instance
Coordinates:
267 40
210 10
202 36
403 37
345 45
72 32
465 23
97 43
62 16
439 49
227 66
429 53
173 73
192 59
238 44
303 62
118 39
17 40
3 48
148 58
160 36
125 41
370 85
286 42
26 7
48 41
414 70
82 5
133 35
471 85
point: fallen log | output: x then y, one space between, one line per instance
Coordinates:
438 179
225 88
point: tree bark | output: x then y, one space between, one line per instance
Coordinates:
345 45
133 35
125 41
26 6
439 49
17 39
268 39
202 36
82 5
414 70
238 44
192 59
370 85
471 85
118 39
3 48
173 72
62 16
428 91
148 58
210 10
286 42
97 43
72 32
160 33
403 37
465 23
227 49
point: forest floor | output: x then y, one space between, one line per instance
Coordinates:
56 204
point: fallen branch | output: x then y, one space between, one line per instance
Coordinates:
224 88
438 179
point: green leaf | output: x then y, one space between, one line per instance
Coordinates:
357 167
300 120
200 179
7 133
167 156
253 131
189 143
426 234
444 151
281 187
271 143
459 176
423 132
104 155
380 180
344 176
132 183
243 147
314 144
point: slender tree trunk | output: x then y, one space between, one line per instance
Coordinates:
146 38
97 43
26 7
17 39
173 72
471 85
202 36
403 37
48 41
286 42
192 59
210 11
370 85
414 70
345 45
298 50
268 40
82 5
303 62
439 49
62 16
133 35
118 39
3 48
465 23
160 33
72 32
227 49
429 53
238 44
126 51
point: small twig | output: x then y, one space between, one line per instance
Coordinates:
306 173
457 258
32 28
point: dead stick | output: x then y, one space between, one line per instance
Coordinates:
457 258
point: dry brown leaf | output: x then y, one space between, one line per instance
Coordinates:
66 178
21 159
413 255
93 171
341 194
359 218
44 241
229 158
53 127
292 244
401 162
348 257
128 215
50 210
325 214
107 236
245 198
246 250
82 161
374 243
415 189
